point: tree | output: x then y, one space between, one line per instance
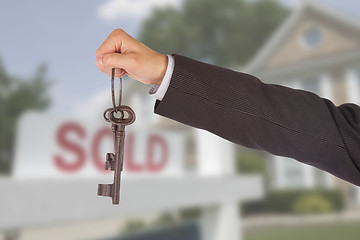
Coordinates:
224 33
16 97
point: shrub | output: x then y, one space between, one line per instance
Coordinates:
134 226
283 201
312 203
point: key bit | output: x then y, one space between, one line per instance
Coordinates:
110 161
105 190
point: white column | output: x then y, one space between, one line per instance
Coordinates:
325 86
279 173
309 176
215 155
353 93
353 86
216 158
329 180
220 223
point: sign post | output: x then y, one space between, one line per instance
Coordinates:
221 221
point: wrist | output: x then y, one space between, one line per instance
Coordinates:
162 66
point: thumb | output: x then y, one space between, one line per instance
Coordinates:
112 60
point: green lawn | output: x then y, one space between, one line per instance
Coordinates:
328 232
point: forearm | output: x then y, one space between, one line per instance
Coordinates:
244 110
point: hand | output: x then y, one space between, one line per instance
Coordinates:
131 57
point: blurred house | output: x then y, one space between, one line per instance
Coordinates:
316 49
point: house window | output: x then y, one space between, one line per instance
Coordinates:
357 82
293 173
320 177
358 75
312 84
312 37
353 85
356 88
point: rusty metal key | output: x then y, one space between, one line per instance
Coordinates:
114 162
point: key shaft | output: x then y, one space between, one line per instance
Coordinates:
119 134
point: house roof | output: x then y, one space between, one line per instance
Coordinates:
282 32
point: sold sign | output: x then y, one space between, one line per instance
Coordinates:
50 147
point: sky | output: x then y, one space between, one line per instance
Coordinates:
65 34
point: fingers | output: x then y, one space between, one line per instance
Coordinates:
113 60
115 42
118 73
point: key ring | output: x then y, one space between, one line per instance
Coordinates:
113 97
122 120
113 89
109 113
110 117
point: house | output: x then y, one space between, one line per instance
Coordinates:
316 49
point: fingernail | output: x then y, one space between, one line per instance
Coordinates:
99 61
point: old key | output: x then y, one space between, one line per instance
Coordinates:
115 161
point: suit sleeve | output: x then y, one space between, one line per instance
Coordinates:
273 118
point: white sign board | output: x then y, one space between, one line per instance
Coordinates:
52 147
72 150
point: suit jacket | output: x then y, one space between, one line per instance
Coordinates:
280 120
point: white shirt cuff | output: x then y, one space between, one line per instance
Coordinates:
159 91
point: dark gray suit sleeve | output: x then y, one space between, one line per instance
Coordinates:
269 117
